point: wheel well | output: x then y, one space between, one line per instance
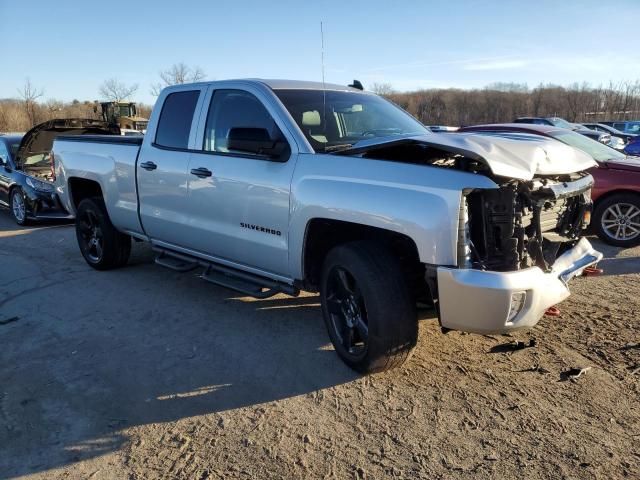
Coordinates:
611 193
324 234
81 188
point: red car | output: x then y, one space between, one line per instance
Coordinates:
616 193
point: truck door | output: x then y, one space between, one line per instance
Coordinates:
162 168
238 201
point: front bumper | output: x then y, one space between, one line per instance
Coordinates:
480 301
42 204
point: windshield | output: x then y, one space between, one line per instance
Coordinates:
561 123
597 150
344 118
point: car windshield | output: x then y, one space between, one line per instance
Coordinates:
632 127
561 123
335 120
597 150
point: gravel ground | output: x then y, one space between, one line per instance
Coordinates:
144 373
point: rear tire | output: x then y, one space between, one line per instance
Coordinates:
617 220
367 307
102 246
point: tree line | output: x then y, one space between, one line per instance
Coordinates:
27 109
498 102
503 102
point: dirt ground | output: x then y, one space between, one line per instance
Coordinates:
143 373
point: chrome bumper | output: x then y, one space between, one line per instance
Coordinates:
492 302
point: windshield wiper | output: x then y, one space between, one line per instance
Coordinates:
338 148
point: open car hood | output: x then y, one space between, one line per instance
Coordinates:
40 138
521 156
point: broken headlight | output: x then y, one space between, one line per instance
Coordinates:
39 185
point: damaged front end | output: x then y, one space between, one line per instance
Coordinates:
519 243
518 247
526 223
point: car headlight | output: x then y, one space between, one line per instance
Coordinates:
39 185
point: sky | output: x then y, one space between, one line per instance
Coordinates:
68 48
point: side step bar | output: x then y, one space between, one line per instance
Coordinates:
247 283
179 265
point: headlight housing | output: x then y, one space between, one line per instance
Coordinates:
39 185
464 239
518 300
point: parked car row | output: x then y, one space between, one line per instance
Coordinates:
621 136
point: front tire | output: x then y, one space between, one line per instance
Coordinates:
102 246
367 307
18 206
617 220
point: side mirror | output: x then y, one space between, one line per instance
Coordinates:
257 141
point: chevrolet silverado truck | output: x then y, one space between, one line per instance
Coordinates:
273 186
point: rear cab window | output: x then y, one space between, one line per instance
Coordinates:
174 124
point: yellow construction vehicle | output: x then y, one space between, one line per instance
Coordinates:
125 115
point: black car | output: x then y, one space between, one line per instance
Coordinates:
601 127
601 137
26 169
551 121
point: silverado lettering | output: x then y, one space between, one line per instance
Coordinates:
262 229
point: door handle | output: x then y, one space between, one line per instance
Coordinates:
201 172
148 166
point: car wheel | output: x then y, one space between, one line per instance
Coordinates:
617 220
102 246
367 307
18 206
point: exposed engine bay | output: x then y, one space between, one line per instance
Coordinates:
524 224
521 224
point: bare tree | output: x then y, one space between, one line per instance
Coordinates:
382 89
29 94
177 74
116 91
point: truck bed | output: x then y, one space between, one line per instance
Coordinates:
108 160
117 139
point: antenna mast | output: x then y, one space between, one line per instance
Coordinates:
322 51
324 91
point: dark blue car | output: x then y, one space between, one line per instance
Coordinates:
633 147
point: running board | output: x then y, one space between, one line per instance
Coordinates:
244 282
234 283
179 265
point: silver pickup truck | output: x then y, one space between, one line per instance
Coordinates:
273 186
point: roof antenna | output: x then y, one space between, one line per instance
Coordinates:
324 91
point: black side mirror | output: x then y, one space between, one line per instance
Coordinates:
257 141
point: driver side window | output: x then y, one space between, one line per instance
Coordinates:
234 109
